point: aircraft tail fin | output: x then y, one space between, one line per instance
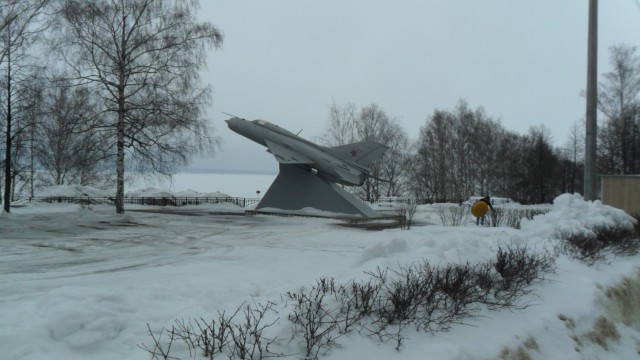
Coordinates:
362 153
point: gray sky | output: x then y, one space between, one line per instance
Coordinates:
286 61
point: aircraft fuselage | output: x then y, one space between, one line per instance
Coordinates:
290 149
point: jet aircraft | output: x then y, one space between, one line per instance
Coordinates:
346 164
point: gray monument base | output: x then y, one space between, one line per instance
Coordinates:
295 189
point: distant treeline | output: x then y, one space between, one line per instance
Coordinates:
86 92
464 152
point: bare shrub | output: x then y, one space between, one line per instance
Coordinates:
209 337
433 298
220 337
452 214
518 264
429 316
430 298
366 296
315 316
406 211
512 217
412 293
455 215
247 337
400 294
461 294
359 300
600 242
583 247
519 268
159 351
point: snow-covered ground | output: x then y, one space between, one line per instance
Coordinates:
83 283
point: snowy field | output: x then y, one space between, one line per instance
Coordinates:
83 283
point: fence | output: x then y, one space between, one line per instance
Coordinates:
157 201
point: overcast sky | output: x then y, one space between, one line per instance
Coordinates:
286 61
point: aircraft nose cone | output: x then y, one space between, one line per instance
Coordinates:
234 124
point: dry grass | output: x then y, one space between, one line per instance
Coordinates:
602 331
623 301
521 352
621 306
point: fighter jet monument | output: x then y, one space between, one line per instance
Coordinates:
310 173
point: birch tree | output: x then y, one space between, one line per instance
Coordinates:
145 57
20 22
618 100
70 150
573 156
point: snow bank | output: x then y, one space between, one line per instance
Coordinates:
156 192
149 192
213 194
383 250
571 214
79 191
193 193
73 191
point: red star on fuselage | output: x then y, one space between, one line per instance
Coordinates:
354 153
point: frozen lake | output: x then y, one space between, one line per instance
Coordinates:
233 184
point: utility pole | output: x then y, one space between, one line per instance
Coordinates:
7 159
590 178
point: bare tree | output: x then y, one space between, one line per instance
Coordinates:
341 125
458 153
24 109
465 160
540 166
395 168
486 141
145 56
434 158
465 152
509 165
573 153
70 150
346 125
20 22
476 143
618 101
388 172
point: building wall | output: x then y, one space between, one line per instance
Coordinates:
622 191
